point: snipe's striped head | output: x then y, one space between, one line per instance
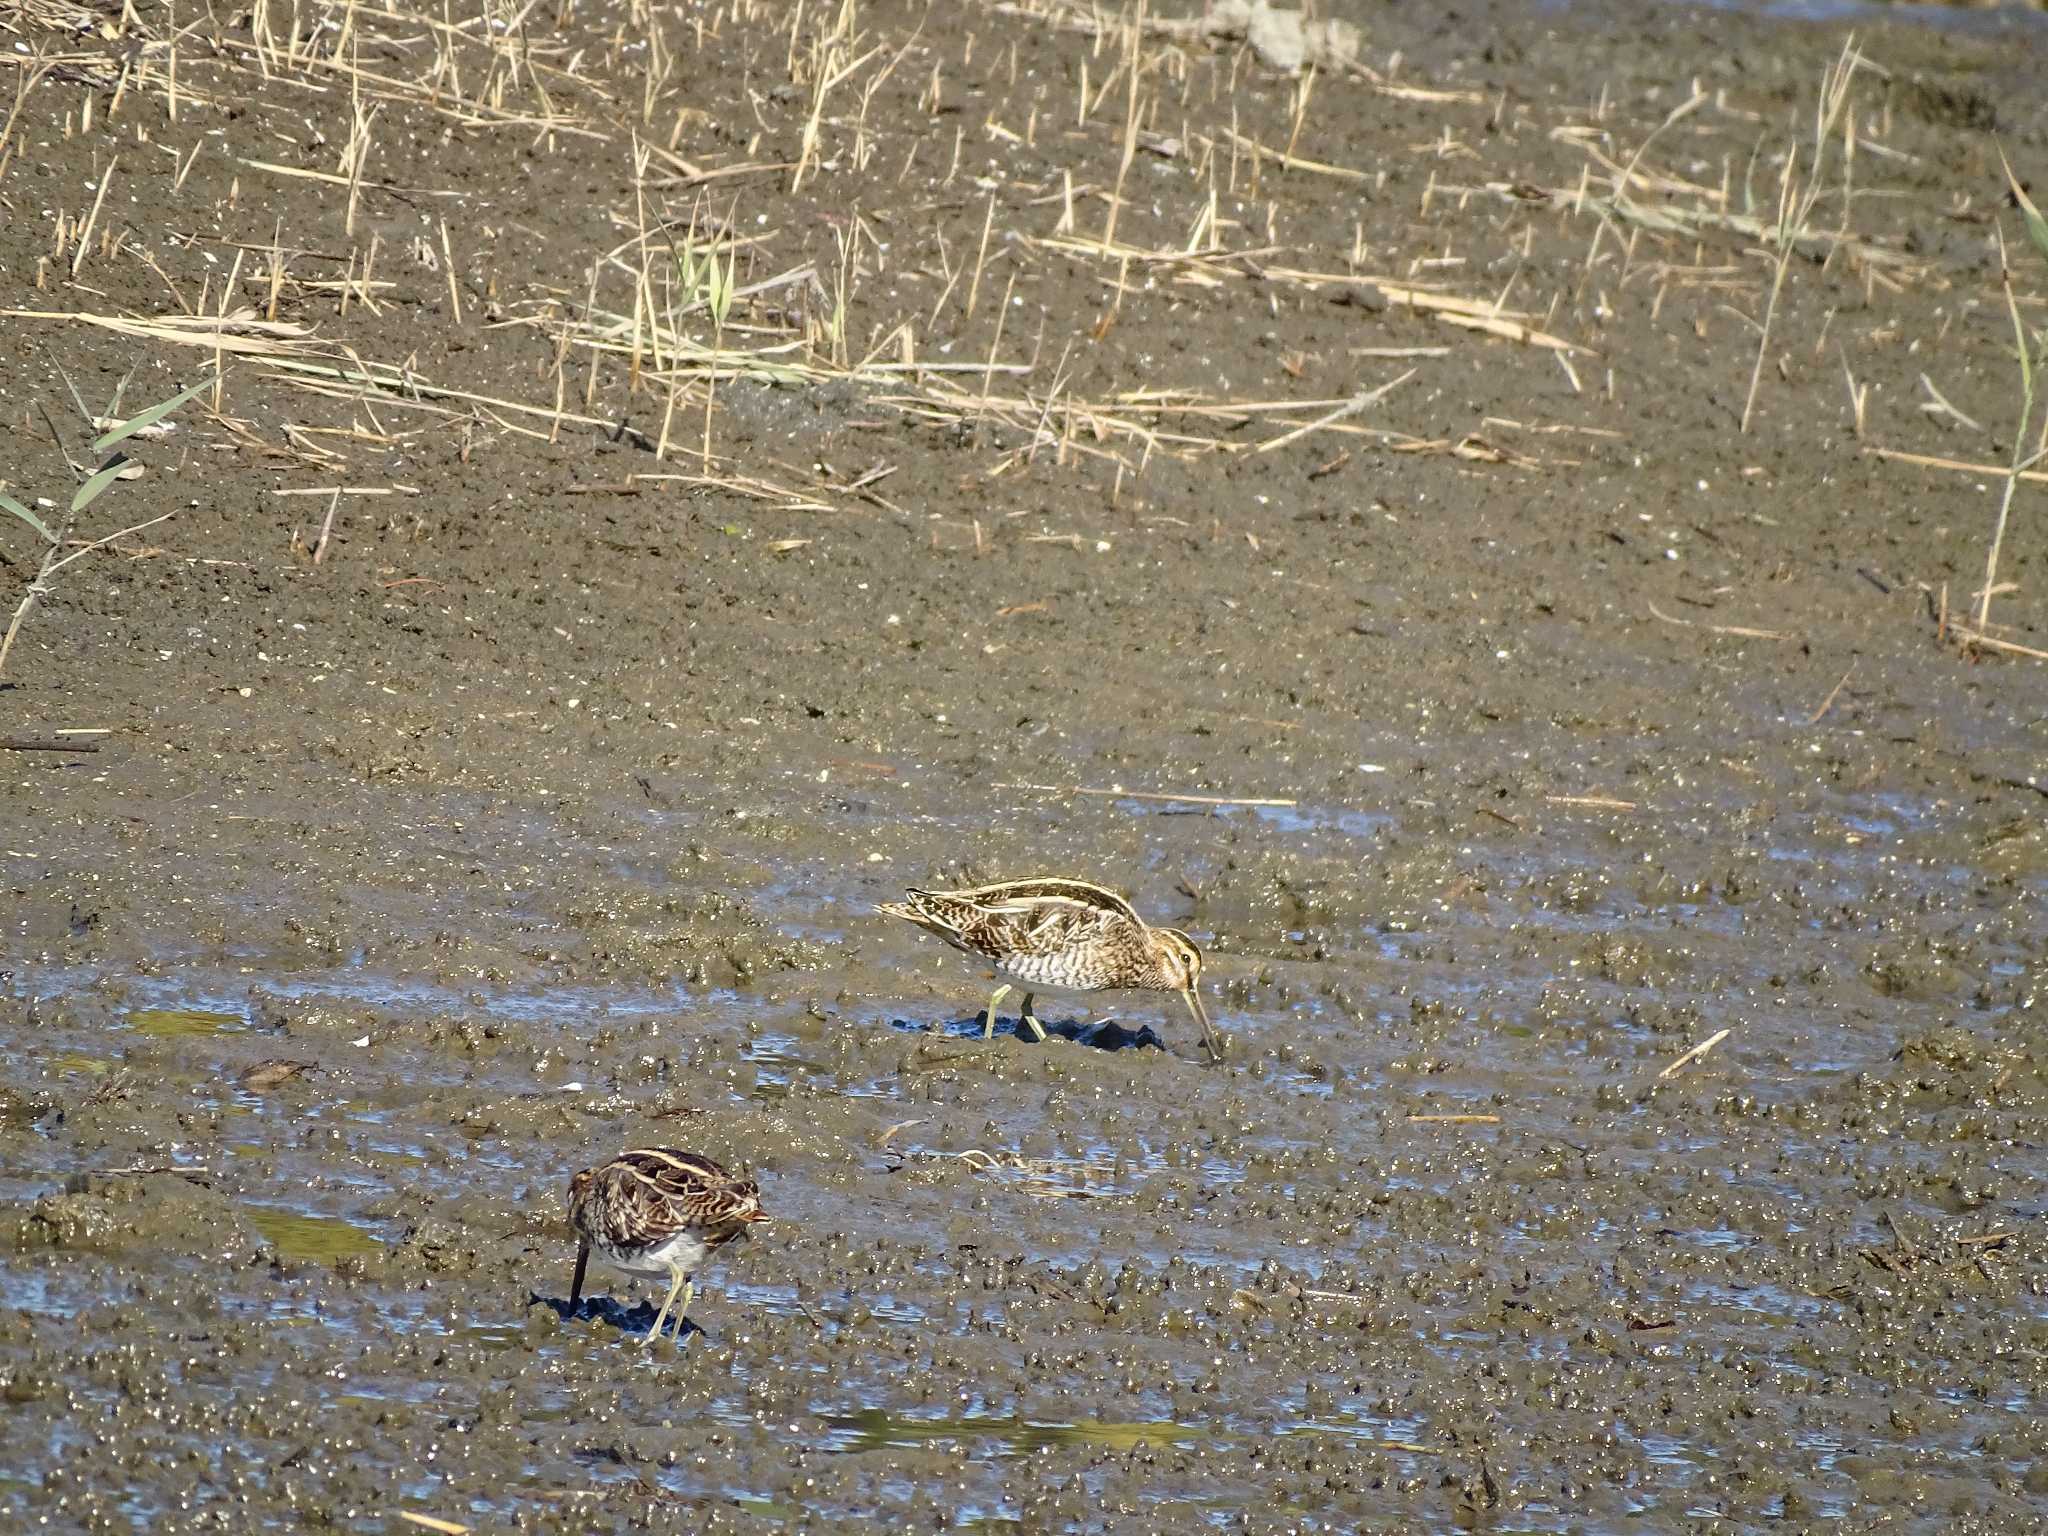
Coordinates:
1176 961
1177 967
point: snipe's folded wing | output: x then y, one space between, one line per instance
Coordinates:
1048 887
1048 925
658 1191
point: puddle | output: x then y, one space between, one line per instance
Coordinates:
1402 1435
1363 825
1769 1303
876 1429
55 1294
531 1005
1296 819
1959 18
1005 1436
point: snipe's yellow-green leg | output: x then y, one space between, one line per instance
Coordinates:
1026 1019
678 1281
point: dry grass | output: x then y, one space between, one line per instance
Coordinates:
711 278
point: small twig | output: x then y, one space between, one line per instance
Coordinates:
1961 466
1352 407
326 527
1742 631
1992 643
1695 1053
1454 1119
182 1170
85 234
927 1059
1940 406
1828 703
110 538
1293 163
45 744
1140 794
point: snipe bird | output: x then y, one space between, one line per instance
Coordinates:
655 1211
1056 935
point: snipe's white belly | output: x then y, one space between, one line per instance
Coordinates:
685 1251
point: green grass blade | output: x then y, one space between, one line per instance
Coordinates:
100 479
148 418
2021 342
718 288
27 516
76 399
2037 227
120 390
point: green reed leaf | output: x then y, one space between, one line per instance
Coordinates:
100 479
148 418
27 516
2037 227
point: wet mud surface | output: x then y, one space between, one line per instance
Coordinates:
1502 742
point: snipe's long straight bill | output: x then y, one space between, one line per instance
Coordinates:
576 1285
1202 1018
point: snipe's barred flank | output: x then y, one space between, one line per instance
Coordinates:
1056 935
655 1211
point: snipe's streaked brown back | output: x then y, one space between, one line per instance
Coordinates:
657 1211
1055 934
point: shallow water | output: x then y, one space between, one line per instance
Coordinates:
1000 1255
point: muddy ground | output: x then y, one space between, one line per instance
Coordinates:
1501 741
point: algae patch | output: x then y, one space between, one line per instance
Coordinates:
303 1239
184 1023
